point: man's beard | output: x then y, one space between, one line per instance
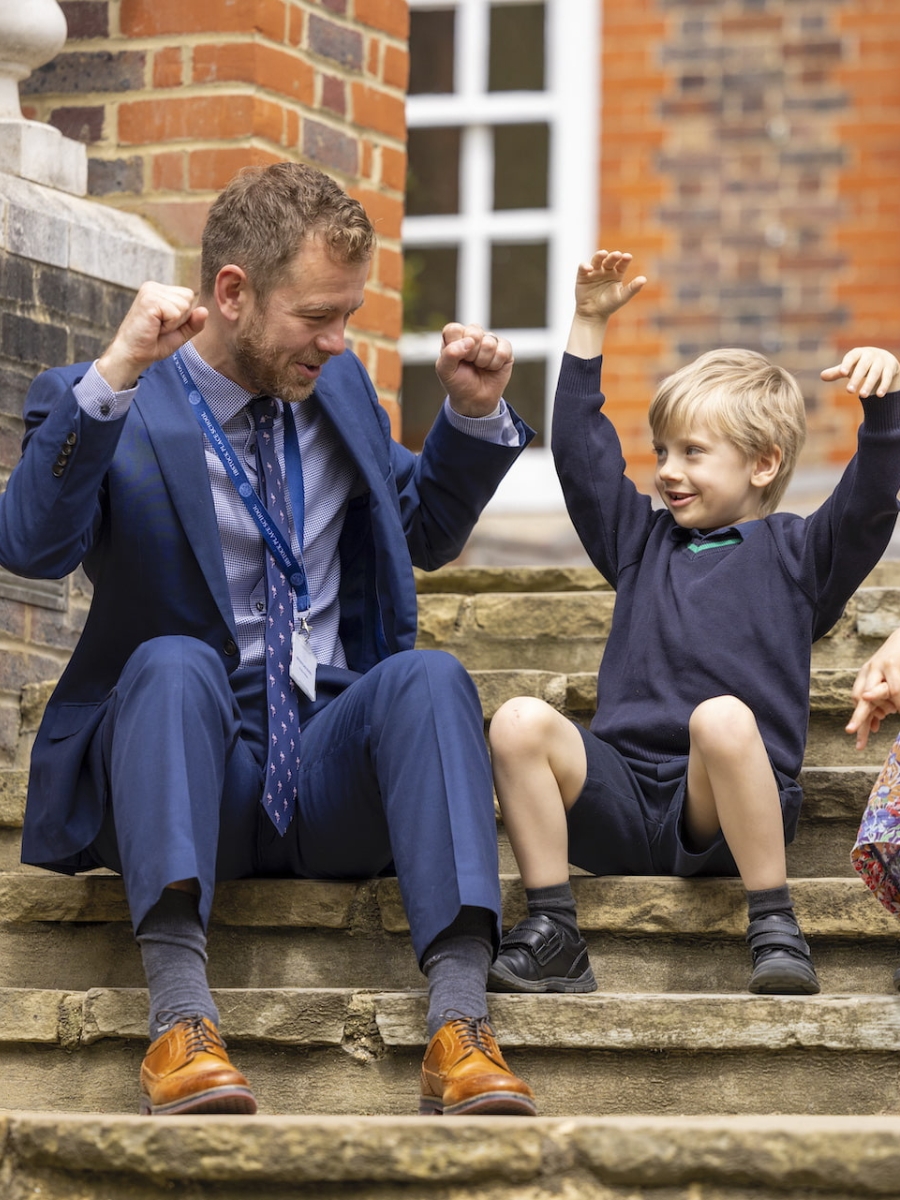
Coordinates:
257 359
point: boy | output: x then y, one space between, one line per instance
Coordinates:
690 764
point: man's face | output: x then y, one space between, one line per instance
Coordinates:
281 345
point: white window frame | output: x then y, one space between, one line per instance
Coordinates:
570 105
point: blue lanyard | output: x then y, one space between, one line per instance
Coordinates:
281 551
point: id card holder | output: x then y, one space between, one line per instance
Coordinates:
303 660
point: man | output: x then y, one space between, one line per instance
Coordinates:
245 698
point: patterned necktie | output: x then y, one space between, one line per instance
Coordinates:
280 789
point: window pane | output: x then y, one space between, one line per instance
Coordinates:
421 396
527 393
521 163
432 181
431 48
519 286
517 48
429 287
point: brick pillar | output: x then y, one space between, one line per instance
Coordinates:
172 97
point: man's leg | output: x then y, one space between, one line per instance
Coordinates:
731 786
178 777
396 769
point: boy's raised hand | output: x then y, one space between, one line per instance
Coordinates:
868 371
600 289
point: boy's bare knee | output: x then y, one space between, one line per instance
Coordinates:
520 725
722 722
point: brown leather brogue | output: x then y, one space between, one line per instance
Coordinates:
463 1072
187 1070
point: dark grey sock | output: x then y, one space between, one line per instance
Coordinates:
556 902
770 900
173 949
456 965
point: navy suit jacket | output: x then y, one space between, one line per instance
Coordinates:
130 499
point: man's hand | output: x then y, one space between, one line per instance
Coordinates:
876 691
600 290
474 368
160 319
867 370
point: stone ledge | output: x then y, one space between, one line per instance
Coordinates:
684 1023
774 1155
839 908
81 235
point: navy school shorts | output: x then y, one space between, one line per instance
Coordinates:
628 818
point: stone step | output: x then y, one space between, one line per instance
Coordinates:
64 1156
341 1050
653 934
565 631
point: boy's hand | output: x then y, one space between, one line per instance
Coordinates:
867 370
876 691
600 289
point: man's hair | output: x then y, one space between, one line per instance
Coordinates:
265 214
745 398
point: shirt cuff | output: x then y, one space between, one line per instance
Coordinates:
96 398
497 426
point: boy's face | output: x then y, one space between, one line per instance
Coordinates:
705 481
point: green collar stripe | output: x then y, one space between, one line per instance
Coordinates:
714 544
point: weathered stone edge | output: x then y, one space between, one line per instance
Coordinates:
831 1155
836 908
712 1023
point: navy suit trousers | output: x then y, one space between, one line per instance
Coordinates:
394 776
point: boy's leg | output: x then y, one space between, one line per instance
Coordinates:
540 768
731 787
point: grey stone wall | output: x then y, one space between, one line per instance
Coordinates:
69 268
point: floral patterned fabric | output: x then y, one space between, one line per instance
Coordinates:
876 855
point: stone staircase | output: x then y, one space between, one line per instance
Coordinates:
670 1082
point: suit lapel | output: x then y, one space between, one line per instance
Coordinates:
177 442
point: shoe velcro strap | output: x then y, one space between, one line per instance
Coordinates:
776 931
537 935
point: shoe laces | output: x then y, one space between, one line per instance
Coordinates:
200 1035
471 1031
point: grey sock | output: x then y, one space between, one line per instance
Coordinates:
173 950
456 965
556 902
770 900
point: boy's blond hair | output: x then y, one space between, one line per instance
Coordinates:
748 400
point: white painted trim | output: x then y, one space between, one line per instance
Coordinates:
570 105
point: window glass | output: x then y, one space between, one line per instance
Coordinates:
521 160
528 396
421 396
431 50
519 285
429 287
516 57
432 182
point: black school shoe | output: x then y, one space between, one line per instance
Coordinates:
781 961
538 956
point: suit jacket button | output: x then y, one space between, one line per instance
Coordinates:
71 439
57 470
230 647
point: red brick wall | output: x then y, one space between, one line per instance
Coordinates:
751 160
172 97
